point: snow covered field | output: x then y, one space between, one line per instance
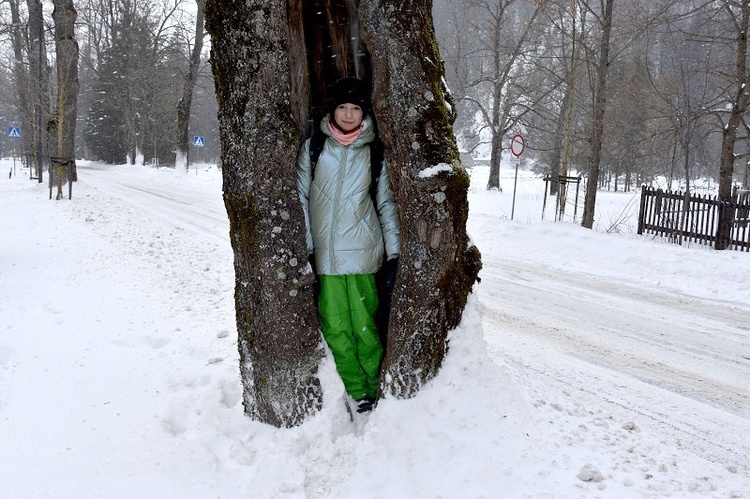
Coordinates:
589 364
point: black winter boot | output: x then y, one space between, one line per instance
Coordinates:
365 405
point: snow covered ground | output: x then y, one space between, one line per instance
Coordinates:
589 363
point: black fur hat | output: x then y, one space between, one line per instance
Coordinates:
352 91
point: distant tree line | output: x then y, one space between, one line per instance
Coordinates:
135 56
620 91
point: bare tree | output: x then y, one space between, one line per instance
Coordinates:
600 92
182 158
455 29
21 78
738 15
66 46
680 81
565 59
501 90
37 77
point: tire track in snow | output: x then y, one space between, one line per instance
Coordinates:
677 360
168 197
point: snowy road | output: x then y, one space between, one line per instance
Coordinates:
664 359
677 360
194 209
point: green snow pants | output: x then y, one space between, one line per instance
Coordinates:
346 308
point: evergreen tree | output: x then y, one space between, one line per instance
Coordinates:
106 132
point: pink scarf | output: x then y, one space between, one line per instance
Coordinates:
343 137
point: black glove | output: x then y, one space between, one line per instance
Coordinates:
311 261
390 267
316 279
385 280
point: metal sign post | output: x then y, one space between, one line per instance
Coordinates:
517 146
14 133
198 141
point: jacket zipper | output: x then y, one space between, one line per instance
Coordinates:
336 201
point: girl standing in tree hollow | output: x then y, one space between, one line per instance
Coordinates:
349 234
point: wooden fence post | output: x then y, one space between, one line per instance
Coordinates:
642 213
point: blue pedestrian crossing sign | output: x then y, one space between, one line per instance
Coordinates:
199 141
14 132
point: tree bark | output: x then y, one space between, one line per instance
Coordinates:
182 159
66 46
254 43
729 135
438 263
278 334
300 73
38 84
21 80
600 100
496 127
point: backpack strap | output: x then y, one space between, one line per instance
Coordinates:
317 141
376 167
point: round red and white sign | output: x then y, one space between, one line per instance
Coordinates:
517 145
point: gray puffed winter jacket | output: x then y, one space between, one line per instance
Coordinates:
345 231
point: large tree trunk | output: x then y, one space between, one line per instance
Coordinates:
729 136
21 80
438 263
38 84
496 151
600 100
279 338
253 45
496 157
182 156
66 46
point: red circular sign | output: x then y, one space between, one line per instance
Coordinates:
517 145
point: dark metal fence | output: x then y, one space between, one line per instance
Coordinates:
690 217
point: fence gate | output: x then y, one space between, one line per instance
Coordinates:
688 217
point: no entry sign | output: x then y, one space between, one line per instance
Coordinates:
517 145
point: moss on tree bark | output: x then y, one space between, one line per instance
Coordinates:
263 110
278 335
415 114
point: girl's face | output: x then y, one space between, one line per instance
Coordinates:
348 117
